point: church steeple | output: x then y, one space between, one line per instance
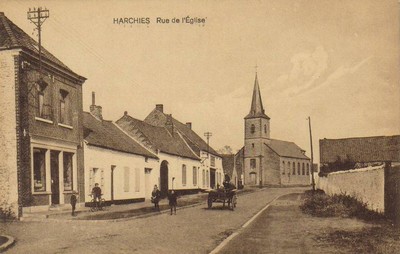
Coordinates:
256 109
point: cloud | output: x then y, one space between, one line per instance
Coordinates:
337 74
306 69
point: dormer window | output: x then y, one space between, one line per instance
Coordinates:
252 128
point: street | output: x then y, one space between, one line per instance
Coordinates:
192 230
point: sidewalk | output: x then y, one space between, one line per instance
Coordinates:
121 212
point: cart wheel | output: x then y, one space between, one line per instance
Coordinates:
209 203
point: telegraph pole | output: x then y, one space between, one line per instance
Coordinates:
312 156
38 17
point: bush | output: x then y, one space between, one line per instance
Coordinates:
319 204
6 213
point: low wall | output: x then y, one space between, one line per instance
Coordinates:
365 184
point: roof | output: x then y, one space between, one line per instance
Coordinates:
197 144
159 137
11 36
106 134
286 149
239 160
228 163
360 149
256 109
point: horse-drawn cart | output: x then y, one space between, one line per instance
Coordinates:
223 196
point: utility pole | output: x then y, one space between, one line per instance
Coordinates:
312 156
38 17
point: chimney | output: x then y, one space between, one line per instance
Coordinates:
96 111
189 125
169 124
160 107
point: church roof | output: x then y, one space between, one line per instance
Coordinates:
105 134
159 137
11 36
256 109
286 149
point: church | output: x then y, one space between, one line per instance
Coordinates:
266 161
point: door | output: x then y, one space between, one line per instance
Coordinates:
212 178
55 182
253 179
147 188
164 179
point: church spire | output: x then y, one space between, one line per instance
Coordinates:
256 109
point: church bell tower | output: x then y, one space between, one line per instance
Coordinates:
256 133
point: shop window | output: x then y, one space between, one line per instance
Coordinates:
183 174
39 169
68 171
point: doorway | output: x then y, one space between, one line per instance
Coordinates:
55 180
212 178
164 179
253 178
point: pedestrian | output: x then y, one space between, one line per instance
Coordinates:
96 194
155 197
172 197
73 202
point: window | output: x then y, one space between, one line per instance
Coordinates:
207 179
288 167
294 168
67 161
64 107
252 163
183 174
298 168
43 107
265 128
252 128
137 179
283 167
252 145
204 177
308 169
39 169
194 176
303 170
126 179
212 161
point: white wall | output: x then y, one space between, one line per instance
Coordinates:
365 184
8 141
104 159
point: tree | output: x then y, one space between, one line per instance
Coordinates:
225 150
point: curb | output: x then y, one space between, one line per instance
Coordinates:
246 224
8 244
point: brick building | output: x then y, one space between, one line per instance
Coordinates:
41 158
265 160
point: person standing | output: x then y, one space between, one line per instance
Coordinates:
172 198
155 197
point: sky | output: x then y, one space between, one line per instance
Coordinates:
335 61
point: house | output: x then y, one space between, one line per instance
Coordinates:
123 168
187 164
265 160
41 158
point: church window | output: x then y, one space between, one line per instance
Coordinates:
294 168
252 163
253 128
252 145
283 167
265 128
303 170
298 168
288 167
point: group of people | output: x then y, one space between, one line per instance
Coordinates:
172 198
